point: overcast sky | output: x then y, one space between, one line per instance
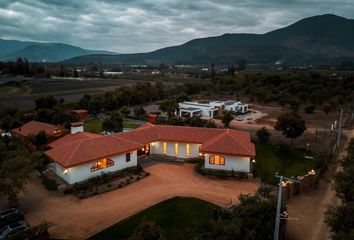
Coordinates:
127 26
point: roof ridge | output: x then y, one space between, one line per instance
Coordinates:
240 143
75 150
127 140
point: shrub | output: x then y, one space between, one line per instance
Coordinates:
68 191
50 184
194 160
310 109
263 135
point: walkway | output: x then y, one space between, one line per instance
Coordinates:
78 219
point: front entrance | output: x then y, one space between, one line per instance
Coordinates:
145 151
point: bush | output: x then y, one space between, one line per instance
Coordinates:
310 109
263 135
68 191
50 184
194 160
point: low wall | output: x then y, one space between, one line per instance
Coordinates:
306 183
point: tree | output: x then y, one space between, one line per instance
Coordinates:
227 118
196 121
76 73
291 125
114 123
169 106
340 218
231 70
48 102
39 139
263 135
140 113
15 171
210 124
213 73
125 111
148 231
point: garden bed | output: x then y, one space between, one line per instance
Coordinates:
222 174
106 182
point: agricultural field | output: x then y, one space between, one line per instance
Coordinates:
21 93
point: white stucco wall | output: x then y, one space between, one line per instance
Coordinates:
236 163
82 172
157 148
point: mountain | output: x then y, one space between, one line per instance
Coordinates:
315 40
42 52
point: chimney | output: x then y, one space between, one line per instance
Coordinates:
76 127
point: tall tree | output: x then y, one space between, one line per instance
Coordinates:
227 118
114 123
291 125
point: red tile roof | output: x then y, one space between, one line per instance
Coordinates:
230 142
71 138
34 127
84 147
88 150
76 124
79 111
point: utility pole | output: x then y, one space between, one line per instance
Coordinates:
277 216
340 127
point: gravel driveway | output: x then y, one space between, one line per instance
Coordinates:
78 219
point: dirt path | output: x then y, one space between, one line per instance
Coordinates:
310 208
78 219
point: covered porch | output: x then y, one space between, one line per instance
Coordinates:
189 112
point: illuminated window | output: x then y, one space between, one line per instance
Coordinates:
176 148
127 157
165 148
216 160
187 150
102 163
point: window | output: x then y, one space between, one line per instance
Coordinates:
176 148
187 150
127 157
102 163
165 148
216 160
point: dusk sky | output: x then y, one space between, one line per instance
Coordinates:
128 26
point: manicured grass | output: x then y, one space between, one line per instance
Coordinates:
268 162
130 125
93 125
171 215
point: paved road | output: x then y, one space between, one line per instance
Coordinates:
79 219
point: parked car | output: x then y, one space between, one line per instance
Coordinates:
10 215
239 118
13 228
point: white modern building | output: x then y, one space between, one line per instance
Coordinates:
209 109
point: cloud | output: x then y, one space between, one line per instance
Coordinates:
127 26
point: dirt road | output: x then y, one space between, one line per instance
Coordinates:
310 208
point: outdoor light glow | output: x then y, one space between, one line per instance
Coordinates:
312 172
65 171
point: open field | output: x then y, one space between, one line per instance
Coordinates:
171 215
22 94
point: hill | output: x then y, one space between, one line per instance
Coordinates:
42 52
316 40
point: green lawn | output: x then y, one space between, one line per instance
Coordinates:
93 125
171 215
268 162
130 125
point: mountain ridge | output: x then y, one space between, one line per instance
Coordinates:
42 52
319 39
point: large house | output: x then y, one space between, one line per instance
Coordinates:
210 109
79 156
